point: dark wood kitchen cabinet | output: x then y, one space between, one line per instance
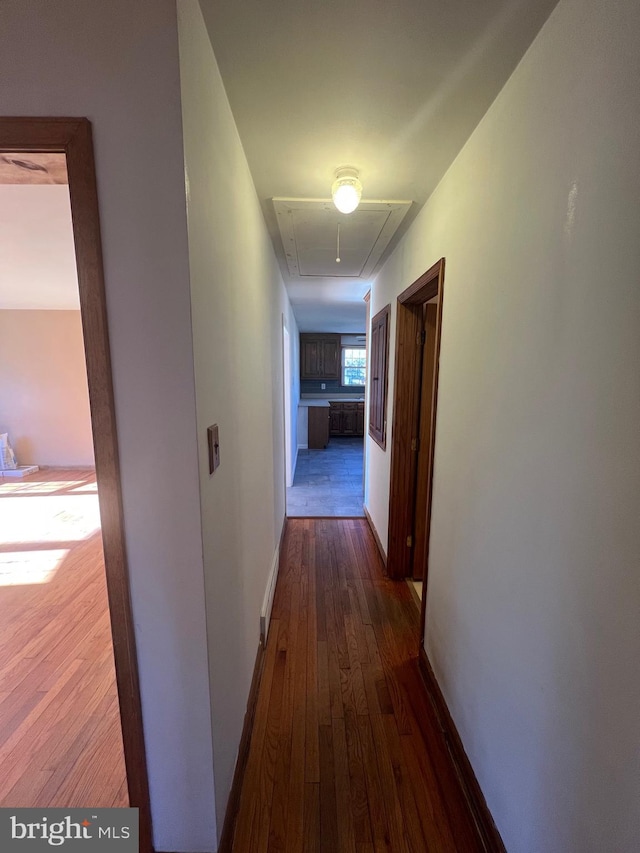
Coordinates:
319 356
318 427
335 418
346 418
349 419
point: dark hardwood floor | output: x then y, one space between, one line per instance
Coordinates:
346 754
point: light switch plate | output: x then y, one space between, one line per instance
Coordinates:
214 447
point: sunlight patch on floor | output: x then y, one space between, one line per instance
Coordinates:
63 518
89 488
18 568
7 487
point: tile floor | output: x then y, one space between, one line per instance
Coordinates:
328 482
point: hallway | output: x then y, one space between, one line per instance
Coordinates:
346 754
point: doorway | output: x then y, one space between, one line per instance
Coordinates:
328 477
69 142
418 331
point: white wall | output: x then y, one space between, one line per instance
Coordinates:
37 259
303 428
534 588
117 64
291 375
238 300
44 399
294 396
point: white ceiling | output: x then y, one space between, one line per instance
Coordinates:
392 88
37 258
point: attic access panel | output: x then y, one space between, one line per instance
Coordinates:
309 227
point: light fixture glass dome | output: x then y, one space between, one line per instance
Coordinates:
346 190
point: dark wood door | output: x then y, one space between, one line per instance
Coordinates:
419 556
360 419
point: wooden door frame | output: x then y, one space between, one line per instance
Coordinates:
408 367
72 136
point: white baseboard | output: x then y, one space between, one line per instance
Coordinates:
267 604
303 447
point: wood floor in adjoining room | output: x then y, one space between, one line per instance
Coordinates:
60 735
346 754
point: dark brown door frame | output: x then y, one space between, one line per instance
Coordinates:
406 415
72 136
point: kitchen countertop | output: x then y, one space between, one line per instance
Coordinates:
323 400
306 404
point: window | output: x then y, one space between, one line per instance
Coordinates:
354 366
378 385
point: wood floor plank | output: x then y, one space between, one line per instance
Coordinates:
344 809
377 812
311 841
360 622
337 635
28 787
312 741
268 759
248 811
279 802
358 785
98 761
75 748
414 835
324 688
342 716
375 681
388 784
297 767
356 679
328 807
333 657
121 799
432 811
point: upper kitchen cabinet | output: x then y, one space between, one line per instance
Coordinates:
319 356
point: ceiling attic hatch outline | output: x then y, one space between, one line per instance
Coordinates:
365 235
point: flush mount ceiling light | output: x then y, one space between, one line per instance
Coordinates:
346 190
